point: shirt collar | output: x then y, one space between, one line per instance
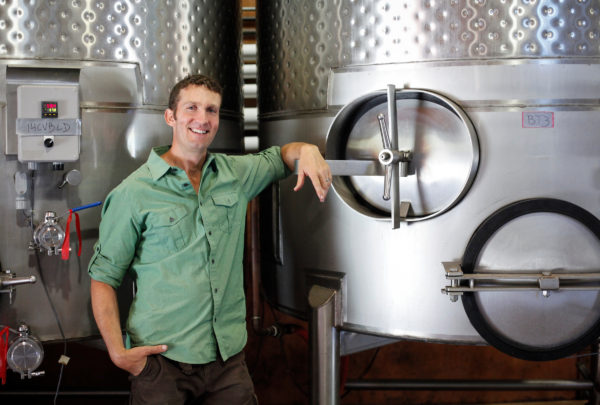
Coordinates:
210 161
158 167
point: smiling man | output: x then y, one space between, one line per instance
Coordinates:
176 225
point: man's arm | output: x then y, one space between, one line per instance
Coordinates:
106 313
310 163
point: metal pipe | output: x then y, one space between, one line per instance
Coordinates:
324 347
470 385
254 251
450 289
514 275
17 281
63 393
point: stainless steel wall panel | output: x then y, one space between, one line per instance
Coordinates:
115 84
499 83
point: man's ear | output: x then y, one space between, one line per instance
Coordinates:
170 117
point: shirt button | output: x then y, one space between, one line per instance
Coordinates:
216 290
209 233
186 184
212 261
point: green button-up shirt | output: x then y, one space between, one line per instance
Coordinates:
184 250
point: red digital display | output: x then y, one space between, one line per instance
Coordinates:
49 109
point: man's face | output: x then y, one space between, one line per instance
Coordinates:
195 120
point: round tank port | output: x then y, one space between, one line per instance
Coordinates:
437 153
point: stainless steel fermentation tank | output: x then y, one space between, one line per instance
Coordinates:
494 171
118 60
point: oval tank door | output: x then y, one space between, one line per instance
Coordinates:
414 166
529 279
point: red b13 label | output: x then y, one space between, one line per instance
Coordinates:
538 119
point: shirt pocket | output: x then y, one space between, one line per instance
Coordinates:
226 210
164 234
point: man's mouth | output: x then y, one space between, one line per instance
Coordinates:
199 131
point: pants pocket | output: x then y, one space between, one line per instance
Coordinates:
147 370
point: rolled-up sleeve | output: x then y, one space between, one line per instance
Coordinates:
118 238
258 170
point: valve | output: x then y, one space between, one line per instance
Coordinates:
25 354
49 235
72 177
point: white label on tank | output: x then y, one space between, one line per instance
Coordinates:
48 126
538 119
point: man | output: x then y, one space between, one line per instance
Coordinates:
176 224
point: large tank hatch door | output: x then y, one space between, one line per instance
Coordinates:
530 279
408 163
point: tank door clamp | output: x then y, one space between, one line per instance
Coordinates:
396 162
454 273
548 282
517 280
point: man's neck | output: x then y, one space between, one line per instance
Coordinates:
190 163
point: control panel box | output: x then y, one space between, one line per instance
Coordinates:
48 123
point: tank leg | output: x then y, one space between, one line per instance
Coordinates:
324 345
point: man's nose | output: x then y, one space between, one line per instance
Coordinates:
201 116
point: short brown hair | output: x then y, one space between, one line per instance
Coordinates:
193 80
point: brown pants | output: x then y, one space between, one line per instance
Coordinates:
168 382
